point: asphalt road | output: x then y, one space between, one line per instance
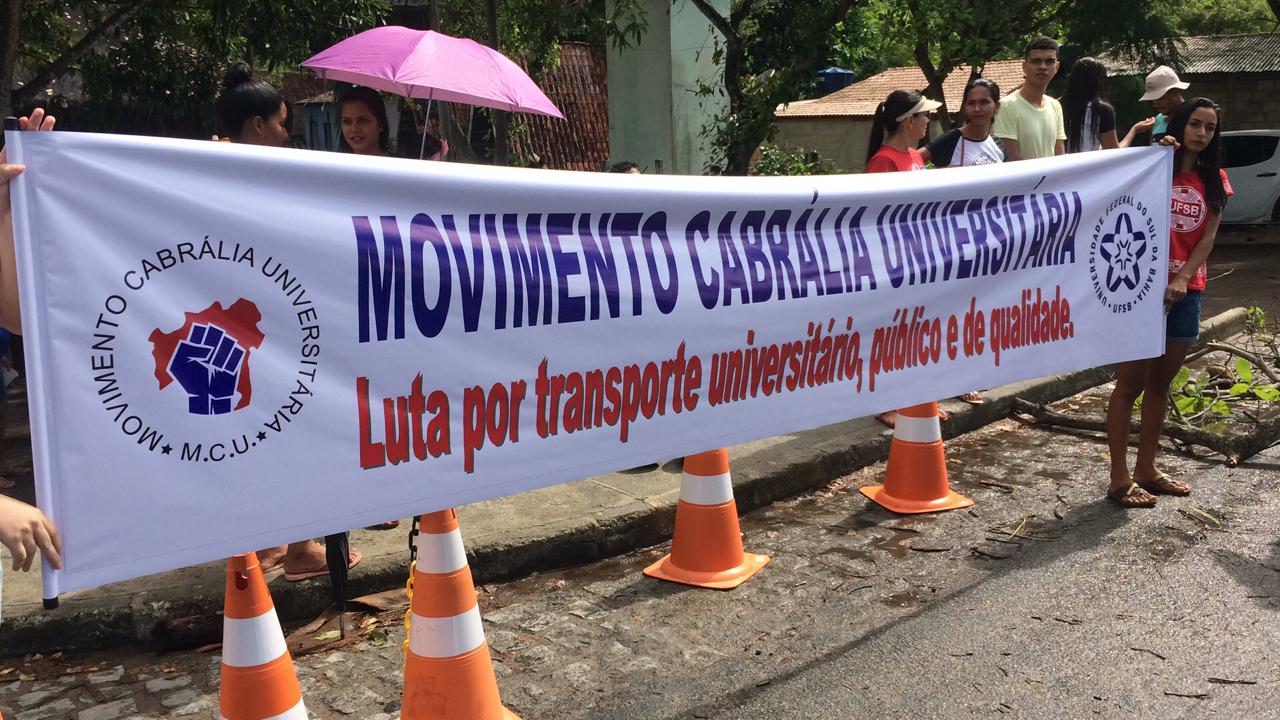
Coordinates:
1043 601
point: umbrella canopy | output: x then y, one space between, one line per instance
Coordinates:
427 65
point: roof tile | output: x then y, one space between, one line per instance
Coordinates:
861 98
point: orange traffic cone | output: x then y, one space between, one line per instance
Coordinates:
706 550
258 679
447 671
916 475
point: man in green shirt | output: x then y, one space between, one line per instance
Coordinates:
1030 122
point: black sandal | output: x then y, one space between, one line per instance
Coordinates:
1133 496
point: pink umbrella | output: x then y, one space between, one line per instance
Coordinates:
427 65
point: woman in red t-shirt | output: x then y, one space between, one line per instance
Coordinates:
1200 191
900 123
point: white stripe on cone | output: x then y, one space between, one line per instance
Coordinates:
446 637
252 642
297 712
700 490
441 553
917 430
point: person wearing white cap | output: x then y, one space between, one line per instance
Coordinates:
1030 122
900 123
1164 91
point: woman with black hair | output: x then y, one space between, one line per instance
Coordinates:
252 112
363 120
1200 192
1090 120
900 123
972 143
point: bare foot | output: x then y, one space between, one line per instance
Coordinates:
973 398
272 558
889 418
307 560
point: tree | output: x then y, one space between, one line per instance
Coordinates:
771 51
943 35
156 64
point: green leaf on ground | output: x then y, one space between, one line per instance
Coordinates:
1268 393
1180 379
1209 518
1244 370
1220 407
330 635
1238 389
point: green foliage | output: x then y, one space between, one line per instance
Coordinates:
159 70
1222 17
1255 319
778 160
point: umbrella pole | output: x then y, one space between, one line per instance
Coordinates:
426 123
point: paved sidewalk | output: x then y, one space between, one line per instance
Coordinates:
554 527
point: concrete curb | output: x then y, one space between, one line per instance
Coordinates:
763 471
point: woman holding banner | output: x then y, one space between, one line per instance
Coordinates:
1200 192
252 112
900 123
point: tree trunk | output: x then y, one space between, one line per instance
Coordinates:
10 20
499 116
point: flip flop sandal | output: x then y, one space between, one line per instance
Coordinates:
353 556
388 525
973 398
1126 498
1163 484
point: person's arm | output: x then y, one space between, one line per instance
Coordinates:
1059 147
24 530
1109 140
10 311
1139 128
1177 289
926 155
1012 153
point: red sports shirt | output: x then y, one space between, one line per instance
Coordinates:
1190 215
888 159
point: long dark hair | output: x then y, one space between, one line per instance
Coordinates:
373 101
1209 161
1084 86
886 117
243 97
979 82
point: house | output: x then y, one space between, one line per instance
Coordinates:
838 126
1240 72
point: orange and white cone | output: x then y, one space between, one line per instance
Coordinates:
916 475
258 679
706 550
448 674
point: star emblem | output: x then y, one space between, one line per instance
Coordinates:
166 449
1122 249
262 435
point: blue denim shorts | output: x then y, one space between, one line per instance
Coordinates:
1182 324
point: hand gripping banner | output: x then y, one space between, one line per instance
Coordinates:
233 347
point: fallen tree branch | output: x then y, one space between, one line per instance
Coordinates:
1235 447
1254 359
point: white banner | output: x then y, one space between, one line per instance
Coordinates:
233 347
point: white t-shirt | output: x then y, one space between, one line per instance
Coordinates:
969 152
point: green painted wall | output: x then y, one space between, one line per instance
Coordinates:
655 115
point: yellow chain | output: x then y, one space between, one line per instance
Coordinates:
408 590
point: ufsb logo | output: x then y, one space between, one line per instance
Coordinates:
209 357
1122 255
1188 208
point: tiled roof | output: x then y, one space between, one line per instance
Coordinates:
578 86
1204 54
861 98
